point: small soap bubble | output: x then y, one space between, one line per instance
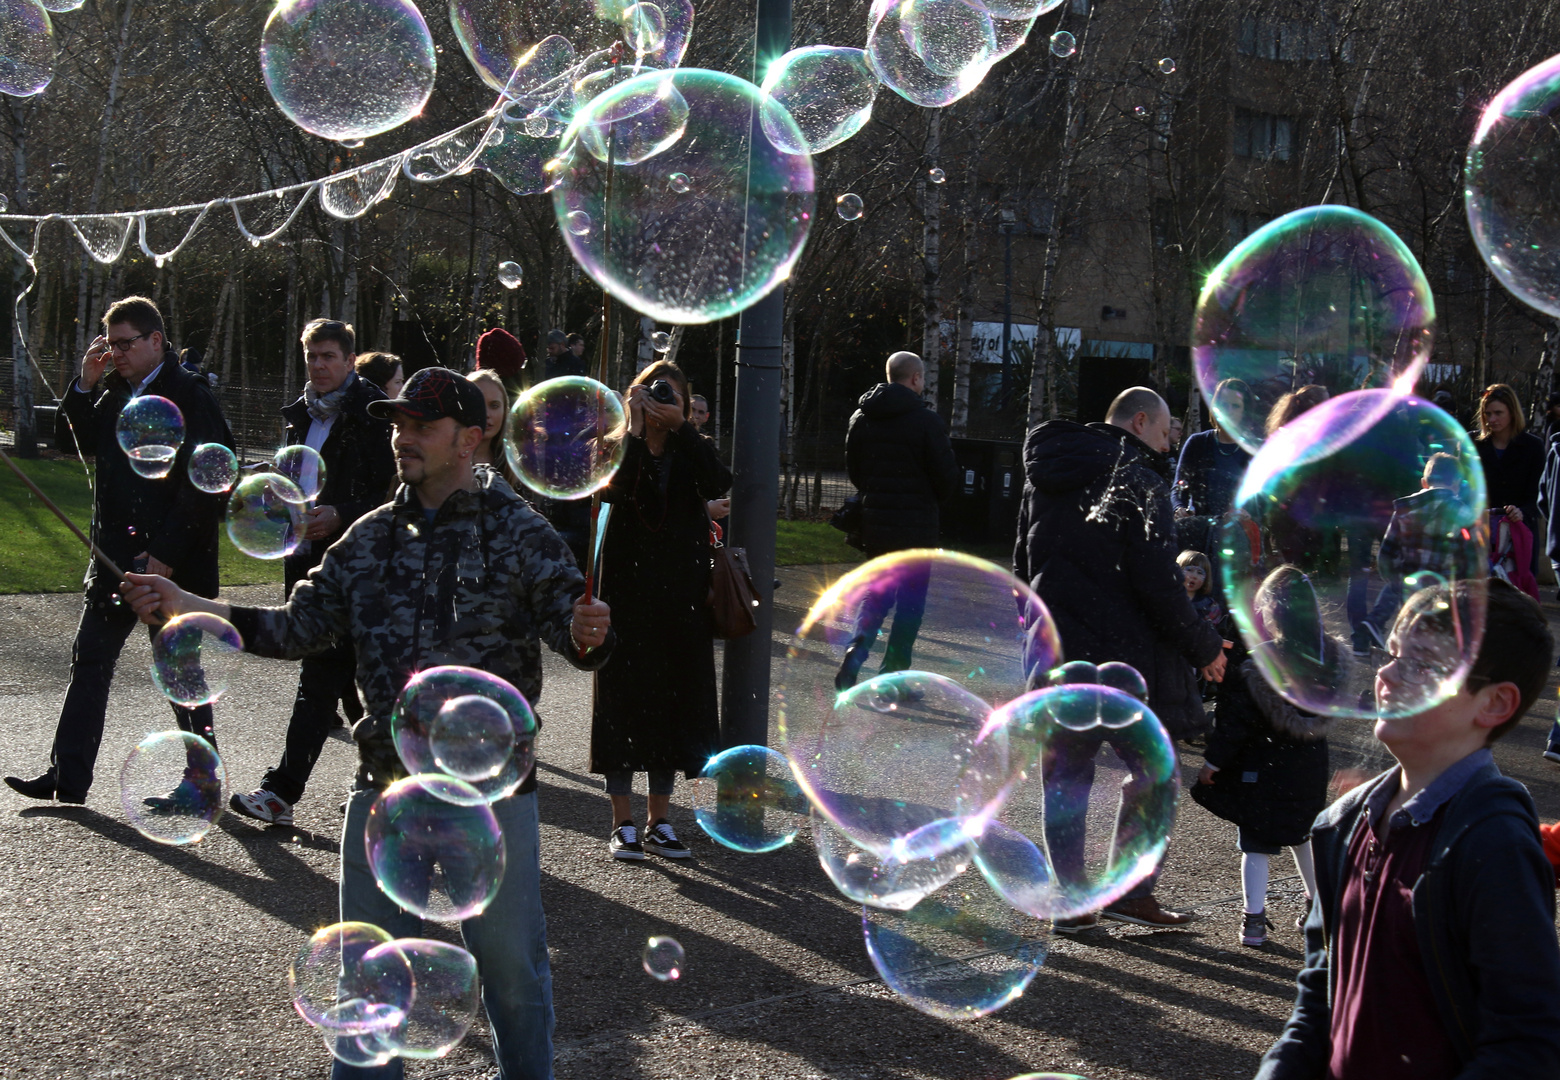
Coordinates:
644 27
679 183
173 787
747 800
536 126
420 708
936 175
150 430
1140 111
194 657
660 341
1063 44
471 737
325 970
510 276
435 857
265 516
663 959
1167 66
565 437
5 203
303 465
578 222
849 206
213 468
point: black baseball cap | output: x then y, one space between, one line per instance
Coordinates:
432 394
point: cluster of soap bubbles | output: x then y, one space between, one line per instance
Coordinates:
265 513
173 787
566 437
373 997
468 726
966 787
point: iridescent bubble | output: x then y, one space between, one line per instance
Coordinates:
1167 66
883 749
445 1003
827 92
26 48
849 206
510 276
173 787
679 183
1325 296
948 36
437 858
348 69
5 203
565 437
704 255
1123 677
644 27
660 341
326 971
265 516
891 883
150 430
194 657
1509 187
936 175
578 223
421 704
1097 811
663 959
1407 484
519 161
960 953
899 67
59 6
352 194
471 737
747 800
213 468
303 465
1063 44
536 126
1140 111
501 38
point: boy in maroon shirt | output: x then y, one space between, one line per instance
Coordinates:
1430 948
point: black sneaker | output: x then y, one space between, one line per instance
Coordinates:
1073 926
1253 931
1551 754
624 843
661 840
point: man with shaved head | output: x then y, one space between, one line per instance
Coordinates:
1097 541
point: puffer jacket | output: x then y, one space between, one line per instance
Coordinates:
484 586
898 455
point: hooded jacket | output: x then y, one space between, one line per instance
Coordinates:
1096 541
898 455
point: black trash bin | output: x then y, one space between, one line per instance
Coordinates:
984 509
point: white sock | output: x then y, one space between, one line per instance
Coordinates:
1305 862
1254 881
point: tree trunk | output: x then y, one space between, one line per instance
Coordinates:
290 357
960 413
23 425
931 258
1041 380
84 316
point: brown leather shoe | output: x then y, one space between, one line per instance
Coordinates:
1145 911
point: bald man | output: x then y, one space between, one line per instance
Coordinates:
1096 540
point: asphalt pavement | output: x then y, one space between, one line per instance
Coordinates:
120 957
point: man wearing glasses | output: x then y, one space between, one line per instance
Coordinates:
164 526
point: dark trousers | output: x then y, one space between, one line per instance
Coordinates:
101 636
906 598
323 679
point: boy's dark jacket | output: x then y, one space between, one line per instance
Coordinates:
1484 911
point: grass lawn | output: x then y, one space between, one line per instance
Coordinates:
37 552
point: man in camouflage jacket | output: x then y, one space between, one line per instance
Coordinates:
456 570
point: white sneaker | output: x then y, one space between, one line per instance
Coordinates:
661 840
262 805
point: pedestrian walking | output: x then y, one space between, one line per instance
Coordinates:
1209 470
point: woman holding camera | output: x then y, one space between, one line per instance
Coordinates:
655 706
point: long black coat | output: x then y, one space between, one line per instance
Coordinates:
1097 541
359 466
170 518
655 701
898 455
1512 478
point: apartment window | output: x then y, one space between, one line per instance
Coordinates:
1263 136
1273 39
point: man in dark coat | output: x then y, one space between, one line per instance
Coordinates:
898 456
332 417
1096 541
163 525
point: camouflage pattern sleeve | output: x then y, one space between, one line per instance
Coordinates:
548 588
319 611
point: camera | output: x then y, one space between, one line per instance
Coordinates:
662 391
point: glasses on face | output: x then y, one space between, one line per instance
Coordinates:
1415 672
124 345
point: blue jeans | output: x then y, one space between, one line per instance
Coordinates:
509 940
1384 611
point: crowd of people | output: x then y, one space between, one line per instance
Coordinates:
1430 942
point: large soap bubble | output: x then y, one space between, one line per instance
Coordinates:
1332 491
948 36
26 48
150 430
445 1003
1098 811
437 858
960 953
173 787
903 70
499 36
326 972
565 437
747 800
893 884
421 712
348 69
828 92
683 257
889 685
1323 296
265 516
1510 190
194 656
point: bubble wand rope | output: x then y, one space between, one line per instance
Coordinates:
97 552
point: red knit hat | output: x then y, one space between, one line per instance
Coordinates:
500 352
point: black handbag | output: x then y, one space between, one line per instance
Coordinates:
847 519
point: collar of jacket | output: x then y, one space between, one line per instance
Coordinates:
355 403
462 502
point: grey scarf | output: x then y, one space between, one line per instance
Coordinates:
325 407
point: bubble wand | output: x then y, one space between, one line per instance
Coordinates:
97 552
